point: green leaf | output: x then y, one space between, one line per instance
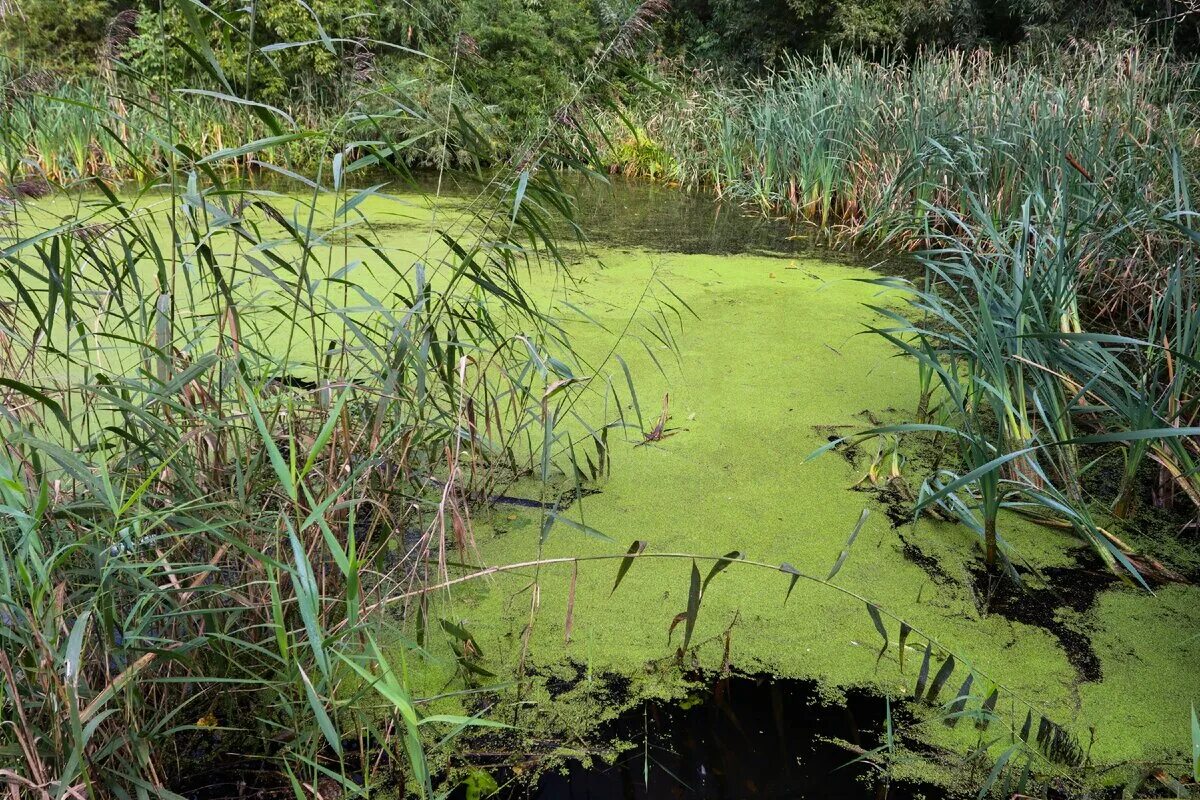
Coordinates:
795 573
72 661
637 409
635 550
308 599
723 562
282 469
318 708
873 611
1195 745
923 673
905 630
988 710
358 198
960 701
997 769
939 680
40 397
693 607
1100 438
325 433
584 529
255 146
241 101
279 623
461 634
451 719
849 542
522 184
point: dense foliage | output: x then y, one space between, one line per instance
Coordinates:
275 423
522 56
329 36
734 29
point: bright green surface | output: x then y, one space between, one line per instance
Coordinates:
775 353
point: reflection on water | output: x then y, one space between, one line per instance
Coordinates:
747 737
637 214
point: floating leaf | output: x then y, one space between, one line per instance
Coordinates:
635 550
723 562
849 542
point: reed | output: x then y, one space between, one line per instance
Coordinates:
234 421
833 140
1040 386
73 128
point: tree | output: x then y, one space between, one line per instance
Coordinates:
298 48
56 34
524 56
755 33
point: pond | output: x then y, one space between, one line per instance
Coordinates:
775 362
739 737
747 351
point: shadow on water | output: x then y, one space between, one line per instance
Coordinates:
628 213
747 737
616 212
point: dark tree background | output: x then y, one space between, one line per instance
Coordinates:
521 57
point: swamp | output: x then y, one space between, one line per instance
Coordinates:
599 398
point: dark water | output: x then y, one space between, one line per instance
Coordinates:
626 213
619 212
748 737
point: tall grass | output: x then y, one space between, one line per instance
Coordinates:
70 128
833 140
235 421
1046 358
238 424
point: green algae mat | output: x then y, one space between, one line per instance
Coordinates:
743 365
773 363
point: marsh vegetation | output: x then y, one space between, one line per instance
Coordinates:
424 398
